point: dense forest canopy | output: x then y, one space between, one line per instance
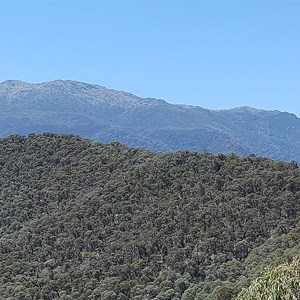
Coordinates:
83 220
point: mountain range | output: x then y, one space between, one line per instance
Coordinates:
102 114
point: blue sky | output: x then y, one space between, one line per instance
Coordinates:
215 54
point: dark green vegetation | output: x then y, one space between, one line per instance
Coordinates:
81 220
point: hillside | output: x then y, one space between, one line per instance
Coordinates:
84 220
106 115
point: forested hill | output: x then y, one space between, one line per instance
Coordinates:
83 220
101 114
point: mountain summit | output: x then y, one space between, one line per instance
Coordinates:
108 115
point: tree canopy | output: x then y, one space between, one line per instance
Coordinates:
84 220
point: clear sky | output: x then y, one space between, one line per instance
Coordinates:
215 54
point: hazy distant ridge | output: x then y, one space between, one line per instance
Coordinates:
105 114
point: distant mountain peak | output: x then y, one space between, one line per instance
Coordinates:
251 110
63 82
247 108
105 114
71 92
14 83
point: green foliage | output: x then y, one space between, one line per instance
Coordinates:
82 220
279 283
